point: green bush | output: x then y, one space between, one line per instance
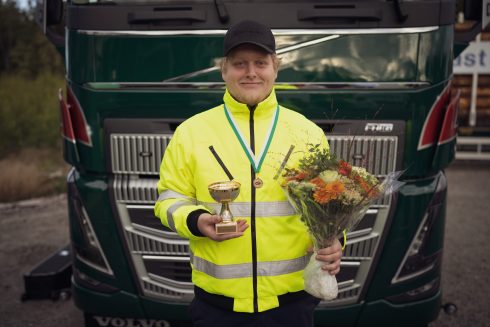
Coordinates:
29 112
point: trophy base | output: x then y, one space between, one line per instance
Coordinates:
226 228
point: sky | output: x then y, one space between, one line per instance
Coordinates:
22 3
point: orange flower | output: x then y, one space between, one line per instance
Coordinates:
300 175
319 183
363 184
322 196
336 188
328 192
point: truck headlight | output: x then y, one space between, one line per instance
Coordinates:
85 243
416 261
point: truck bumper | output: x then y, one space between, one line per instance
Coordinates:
381 313
123 306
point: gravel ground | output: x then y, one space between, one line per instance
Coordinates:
32 230
466 261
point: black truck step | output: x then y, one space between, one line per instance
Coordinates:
51 278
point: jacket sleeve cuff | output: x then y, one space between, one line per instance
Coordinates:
192 222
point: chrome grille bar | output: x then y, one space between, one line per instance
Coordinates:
143 243
133 189
141 154
162 290
361 248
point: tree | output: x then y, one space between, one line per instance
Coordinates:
23 48
31 72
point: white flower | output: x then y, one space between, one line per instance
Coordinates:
329 176
360 171
350 197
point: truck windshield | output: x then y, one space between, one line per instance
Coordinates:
305 58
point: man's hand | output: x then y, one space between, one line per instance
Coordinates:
331 256
206 224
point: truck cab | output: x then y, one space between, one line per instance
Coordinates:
374 74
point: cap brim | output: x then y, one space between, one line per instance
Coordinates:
267 49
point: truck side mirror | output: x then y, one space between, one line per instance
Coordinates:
49 16
469 23
53 12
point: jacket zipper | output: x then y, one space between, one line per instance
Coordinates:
252 214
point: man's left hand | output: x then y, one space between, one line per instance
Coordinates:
331 257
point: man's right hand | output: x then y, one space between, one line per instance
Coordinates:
207 226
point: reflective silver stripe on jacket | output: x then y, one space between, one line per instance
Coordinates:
268 268
171 210
169 194
262 209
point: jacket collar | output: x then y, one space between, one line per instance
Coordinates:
263 110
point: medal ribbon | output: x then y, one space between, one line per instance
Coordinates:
255 162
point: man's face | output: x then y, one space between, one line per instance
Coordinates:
249 73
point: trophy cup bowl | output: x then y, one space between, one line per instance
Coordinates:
224 193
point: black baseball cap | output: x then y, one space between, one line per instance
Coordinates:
249 31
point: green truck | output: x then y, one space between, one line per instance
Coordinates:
375 75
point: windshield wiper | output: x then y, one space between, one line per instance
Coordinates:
222 12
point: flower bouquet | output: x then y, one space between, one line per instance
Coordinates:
332 196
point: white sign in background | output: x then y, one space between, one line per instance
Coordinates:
474 59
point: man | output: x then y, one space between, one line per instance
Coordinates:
252 277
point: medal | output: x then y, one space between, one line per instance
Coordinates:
258 183
255 162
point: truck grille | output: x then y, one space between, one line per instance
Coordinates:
161 257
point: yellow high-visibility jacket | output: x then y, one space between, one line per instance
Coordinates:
267 262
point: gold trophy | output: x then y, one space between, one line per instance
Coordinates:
225 192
